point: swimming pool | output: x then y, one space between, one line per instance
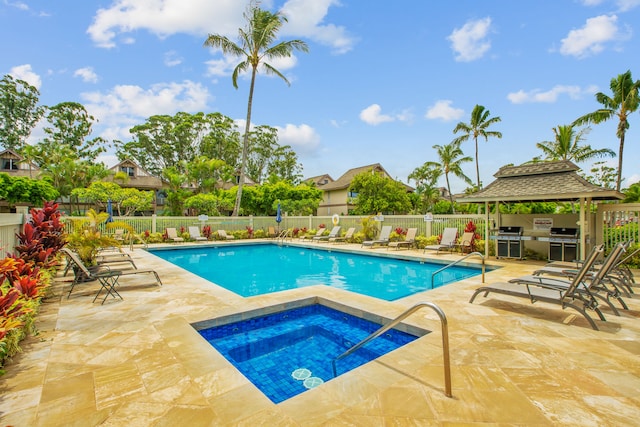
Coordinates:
291 351
257 269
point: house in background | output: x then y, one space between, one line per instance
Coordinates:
319 180
336 197
14 164
138 178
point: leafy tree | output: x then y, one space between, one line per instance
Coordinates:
632 193
207 173
566 146
20 189
284 165
255 48
478 126
19 112
378 193
450 161
426 178
222 140
207 204
176 194
263 199
621 104
602 175
125 201
69 126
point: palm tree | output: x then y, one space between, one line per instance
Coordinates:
566 146
255 49
426 178
450 161
623 102
480 121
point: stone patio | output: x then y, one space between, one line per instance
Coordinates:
138 362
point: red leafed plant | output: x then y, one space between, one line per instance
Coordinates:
400 231
295 231
29 287
42 236
206 231
250 231
322 226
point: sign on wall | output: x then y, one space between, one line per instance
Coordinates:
542 224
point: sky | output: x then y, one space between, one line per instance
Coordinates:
383 82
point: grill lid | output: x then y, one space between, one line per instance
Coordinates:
563 231
510 230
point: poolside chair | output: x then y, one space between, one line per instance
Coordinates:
224 236
319 233
343 239
332 235
603 285
409 240
465 244
447 242
575 295
119 235
172 234
107 277
382 240
194 232
271 232
107 258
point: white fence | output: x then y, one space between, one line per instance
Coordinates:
10 225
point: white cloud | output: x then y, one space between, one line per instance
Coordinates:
201 17
550 96
124 105
305 20
591 38
171 58
627 5
17 4
86 74
165 17
443 110
373 115
303 138
24 72
470 42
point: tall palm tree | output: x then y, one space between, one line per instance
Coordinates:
478 126
622 103
255 49
566 146
450 161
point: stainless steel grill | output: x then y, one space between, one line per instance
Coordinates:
509 240
563 243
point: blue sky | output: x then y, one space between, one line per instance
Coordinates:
382 83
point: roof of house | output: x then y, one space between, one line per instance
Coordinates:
345 180
142 179
548 181
318 180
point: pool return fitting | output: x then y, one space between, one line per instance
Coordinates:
394 322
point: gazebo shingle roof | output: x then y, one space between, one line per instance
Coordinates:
549 181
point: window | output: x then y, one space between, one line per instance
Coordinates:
352 194
129 170
9 164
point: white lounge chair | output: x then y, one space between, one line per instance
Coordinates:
348 236
172 234
194 232
332 235
447 242
383 239
409 240
224 236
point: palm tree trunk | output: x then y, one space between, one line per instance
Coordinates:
477 164
446 177
619 180
245 145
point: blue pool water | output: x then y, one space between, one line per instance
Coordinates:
250 270
289 352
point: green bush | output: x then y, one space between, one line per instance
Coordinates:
259 234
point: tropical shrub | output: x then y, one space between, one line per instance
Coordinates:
42 236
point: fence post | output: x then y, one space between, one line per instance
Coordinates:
153 222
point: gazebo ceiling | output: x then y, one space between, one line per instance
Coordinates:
552 181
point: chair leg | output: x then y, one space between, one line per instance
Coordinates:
108 283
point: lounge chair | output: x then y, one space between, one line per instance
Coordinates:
271 232
172 234
576 295
332 235
383 239
342 239
107 277
447 242
119 235
603 284
107 258
224 236
465 244
319 233
409 240
194 232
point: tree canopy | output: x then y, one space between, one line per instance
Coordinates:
19 112
378 193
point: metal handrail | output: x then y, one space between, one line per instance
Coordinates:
394 322
458 261
283 235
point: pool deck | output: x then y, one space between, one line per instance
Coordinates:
138 362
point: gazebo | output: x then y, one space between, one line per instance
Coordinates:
553 181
